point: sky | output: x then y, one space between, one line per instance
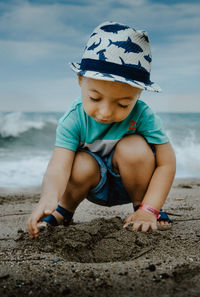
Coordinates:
38 40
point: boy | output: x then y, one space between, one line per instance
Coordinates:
110 146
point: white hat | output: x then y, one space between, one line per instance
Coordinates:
116 52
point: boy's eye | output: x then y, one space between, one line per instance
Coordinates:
123 106
94 99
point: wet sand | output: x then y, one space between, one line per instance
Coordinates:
95 256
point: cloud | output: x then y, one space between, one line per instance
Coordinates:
28 22
160 16
36 95
29 52
165 102
47 34
179 58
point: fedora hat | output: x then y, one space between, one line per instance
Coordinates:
116 52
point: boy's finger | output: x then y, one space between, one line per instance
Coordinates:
29 226
127 220
33 225
35 228
136 226
154 226
126 225
145 227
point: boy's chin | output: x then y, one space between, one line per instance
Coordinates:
103 122
107 122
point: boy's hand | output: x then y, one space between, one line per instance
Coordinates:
142 220
42 210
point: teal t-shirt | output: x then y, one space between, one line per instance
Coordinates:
78 130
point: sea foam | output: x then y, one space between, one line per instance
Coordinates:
14 124
27 142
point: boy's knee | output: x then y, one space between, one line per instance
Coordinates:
85 169
133 149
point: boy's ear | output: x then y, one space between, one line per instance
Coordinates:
80 79
139 94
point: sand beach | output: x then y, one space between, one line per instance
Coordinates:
95 256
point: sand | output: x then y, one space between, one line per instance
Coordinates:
95 256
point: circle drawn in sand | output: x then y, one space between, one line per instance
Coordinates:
95 242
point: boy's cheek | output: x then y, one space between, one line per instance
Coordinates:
88 109
124 114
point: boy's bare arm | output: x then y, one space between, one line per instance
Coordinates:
53 186
57 174
163 176
158 188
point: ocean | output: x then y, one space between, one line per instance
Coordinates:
27 141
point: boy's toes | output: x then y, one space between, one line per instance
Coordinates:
53 219
42 225
164 225
60 216
164 222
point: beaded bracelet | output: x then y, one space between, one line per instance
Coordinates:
150 209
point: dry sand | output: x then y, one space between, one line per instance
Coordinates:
97 257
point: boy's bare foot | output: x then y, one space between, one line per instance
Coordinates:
58 217
163 225
164 222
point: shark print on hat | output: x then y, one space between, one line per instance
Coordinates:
128 46
138 65
145 37
102 55
116 52
94 45
148 58
115 28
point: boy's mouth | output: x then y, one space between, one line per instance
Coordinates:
103 121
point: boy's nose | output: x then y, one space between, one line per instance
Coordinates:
105 112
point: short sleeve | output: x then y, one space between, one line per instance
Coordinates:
68 132
150 126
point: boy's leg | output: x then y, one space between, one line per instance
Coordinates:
84 176
134 160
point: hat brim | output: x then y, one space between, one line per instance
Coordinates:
153 87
